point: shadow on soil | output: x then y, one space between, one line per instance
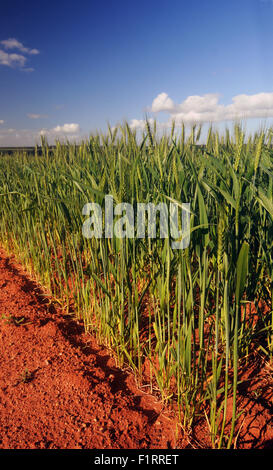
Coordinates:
72 330
116 378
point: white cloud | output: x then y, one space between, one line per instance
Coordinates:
2 121
140 123
13 59
12 43
207 108
36 116
67 129
14 137
162 103
30 137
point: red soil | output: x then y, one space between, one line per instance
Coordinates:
60 389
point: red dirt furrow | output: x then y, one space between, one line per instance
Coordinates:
59 388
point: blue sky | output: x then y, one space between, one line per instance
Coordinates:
68 68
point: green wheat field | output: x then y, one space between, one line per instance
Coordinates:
196 317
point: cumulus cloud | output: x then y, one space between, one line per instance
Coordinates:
36 116
13 59
162 103
140 123
69 131
67 128
12 43
206 108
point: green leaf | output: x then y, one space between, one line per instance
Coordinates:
241 271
